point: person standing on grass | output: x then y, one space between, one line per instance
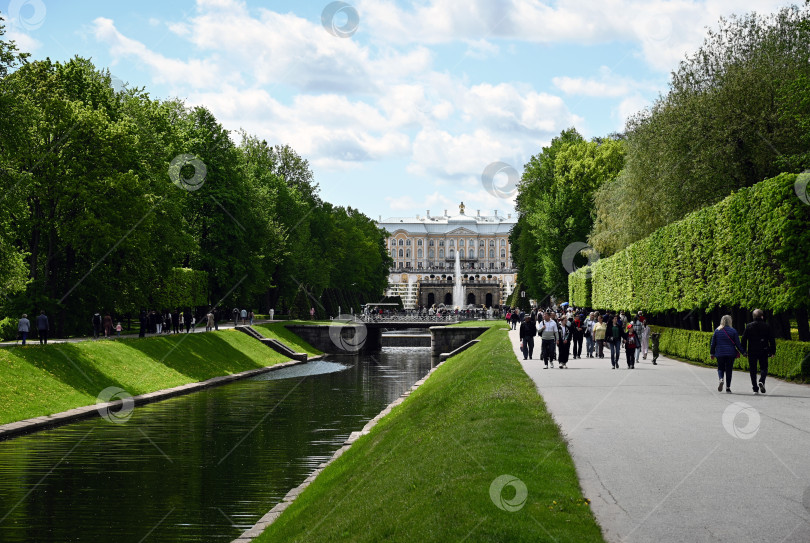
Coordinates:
43 326
549 334
725 347
527 333
758 341
614 336
23 327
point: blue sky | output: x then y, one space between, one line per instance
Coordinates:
405 112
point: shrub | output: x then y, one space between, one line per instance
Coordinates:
8 329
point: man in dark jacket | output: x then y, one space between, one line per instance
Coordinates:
758 341
42 327
96 325
527 332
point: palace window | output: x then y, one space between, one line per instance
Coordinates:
400 243
481 244
452 243
393 253
503 242
503 253
408 243
401 254
430 243
480 253
492 253
461 243
492 243
419 253
431 253
441 253
452 253
419 243
472 253
407 253
441 243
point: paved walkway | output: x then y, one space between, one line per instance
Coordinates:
663 457
199 328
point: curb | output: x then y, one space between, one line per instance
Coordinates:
27 426
289 498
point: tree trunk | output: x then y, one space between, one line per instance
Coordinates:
804 327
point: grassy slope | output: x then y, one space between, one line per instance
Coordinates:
424 472
40 380
277 331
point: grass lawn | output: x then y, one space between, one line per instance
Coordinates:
45 379
276 330
424 472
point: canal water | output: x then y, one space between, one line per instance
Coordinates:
202 467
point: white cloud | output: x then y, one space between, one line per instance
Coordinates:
629 107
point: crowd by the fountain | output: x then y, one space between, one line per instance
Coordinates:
562 327
434 312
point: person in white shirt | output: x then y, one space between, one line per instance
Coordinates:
549 334
590 342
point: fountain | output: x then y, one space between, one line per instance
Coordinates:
458 288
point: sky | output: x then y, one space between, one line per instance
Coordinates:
399 107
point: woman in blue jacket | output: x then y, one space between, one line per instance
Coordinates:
724 347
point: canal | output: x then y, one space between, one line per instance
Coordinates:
200 467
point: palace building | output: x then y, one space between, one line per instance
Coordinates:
424 252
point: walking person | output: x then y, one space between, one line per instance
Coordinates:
252 315
43 326
645 339
515 319
24 327
638 329
614 336
118 329
209 321
176 324
631 343
590 342
549 334
567 334
578 331
235 316
527 333
188 319
725 347
96 325
758 341
108 326
599 329
654 338
158 323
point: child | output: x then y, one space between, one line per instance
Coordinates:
630 345
118 329
654 337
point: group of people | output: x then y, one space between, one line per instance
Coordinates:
560 330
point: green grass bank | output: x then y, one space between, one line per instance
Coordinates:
424 472
40 380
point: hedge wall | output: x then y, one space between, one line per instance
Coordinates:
579 287
792 360
750 250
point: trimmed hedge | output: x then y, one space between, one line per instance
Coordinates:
750 250
579 287
792 359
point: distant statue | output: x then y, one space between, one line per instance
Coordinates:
461 209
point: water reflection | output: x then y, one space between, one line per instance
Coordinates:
199 467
